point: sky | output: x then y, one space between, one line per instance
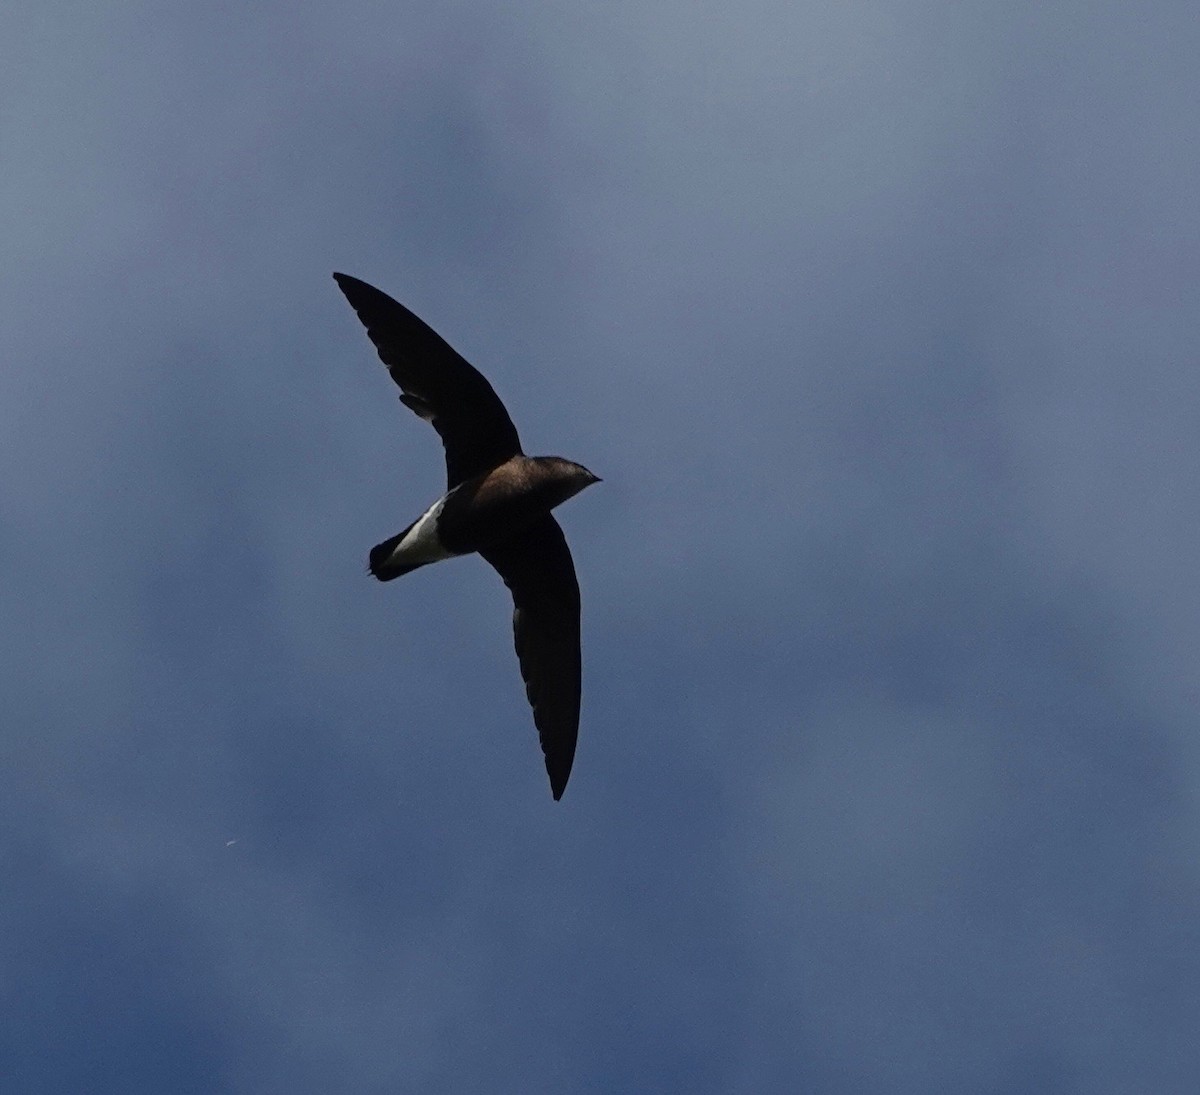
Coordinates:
880 323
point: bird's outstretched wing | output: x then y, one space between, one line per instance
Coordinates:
536 565
438 384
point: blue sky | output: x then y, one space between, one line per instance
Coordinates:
880 322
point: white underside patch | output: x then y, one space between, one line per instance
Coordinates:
420 543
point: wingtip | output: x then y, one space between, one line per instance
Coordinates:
558 784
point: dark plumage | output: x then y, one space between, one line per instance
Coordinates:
498 504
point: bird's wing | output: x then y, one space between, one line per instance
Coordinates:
536 565
438 384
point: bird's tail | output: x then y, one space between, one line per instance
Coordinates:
380 563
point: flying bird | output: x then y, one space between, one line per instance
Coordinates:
497 503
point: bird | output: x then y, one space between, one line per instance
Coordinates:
497 504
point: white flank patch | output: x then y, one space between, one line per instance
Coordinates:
420 543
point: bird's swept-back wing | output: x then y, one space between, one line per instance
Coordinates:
536 566
438 384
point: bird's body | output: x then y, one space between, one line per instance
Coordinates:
498 504
488 509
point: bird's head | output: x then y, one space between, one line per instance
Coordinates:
566 477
